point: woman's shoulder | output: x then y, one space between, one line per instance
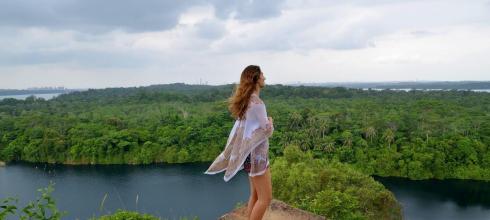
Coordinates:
254 99
256 105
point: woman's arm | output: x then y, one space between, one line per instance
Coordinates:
261 115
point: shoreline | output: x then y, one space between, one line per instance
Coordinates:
78 163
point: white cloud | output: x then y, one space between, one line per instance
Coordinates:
310 41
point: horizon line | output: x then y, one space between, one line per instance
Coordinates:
222 84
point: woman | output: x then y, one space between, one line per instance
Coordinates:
248 144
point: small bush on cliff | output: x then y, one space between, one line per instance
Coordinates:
127 215
330 188
131 215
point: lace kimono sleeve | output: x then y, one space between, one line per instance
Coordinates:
259 112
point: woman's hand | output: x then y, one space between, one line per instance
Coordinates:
270 126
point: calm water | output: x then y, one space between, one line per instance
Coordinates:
407 90
441 199
52 95
182 190
168 191
45 96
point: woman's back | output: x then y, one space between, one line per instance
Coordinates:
249 136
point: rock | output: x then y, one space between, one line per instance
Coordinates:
278 210
2 163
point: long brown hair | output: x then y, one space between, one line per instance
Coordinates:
238 102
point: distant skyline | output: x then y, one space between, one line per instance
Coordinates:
98 44
289 83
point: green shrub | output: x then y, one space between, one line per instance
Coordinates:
127 215
330 188
44 208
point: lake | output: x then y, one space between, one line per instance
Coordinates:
173 190
22 97
52 95
164 190
426 90
441 199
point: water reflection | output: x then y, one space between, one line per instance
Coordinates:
173 190
167 190
441 199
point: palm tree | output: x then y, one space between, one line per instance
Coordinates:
323 126
185 114
370 132
347 138
389 136
329 145
295 120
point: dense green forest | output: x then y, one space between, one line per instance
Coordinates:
415 134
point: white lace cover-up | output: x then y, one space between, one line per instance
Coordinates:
248 136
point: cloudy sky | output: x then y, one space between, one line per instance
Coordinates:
109 43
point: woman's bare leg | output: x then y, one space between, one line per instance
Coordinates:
263 186
253 197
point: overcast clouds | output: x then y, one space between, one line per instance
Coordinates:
89 43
